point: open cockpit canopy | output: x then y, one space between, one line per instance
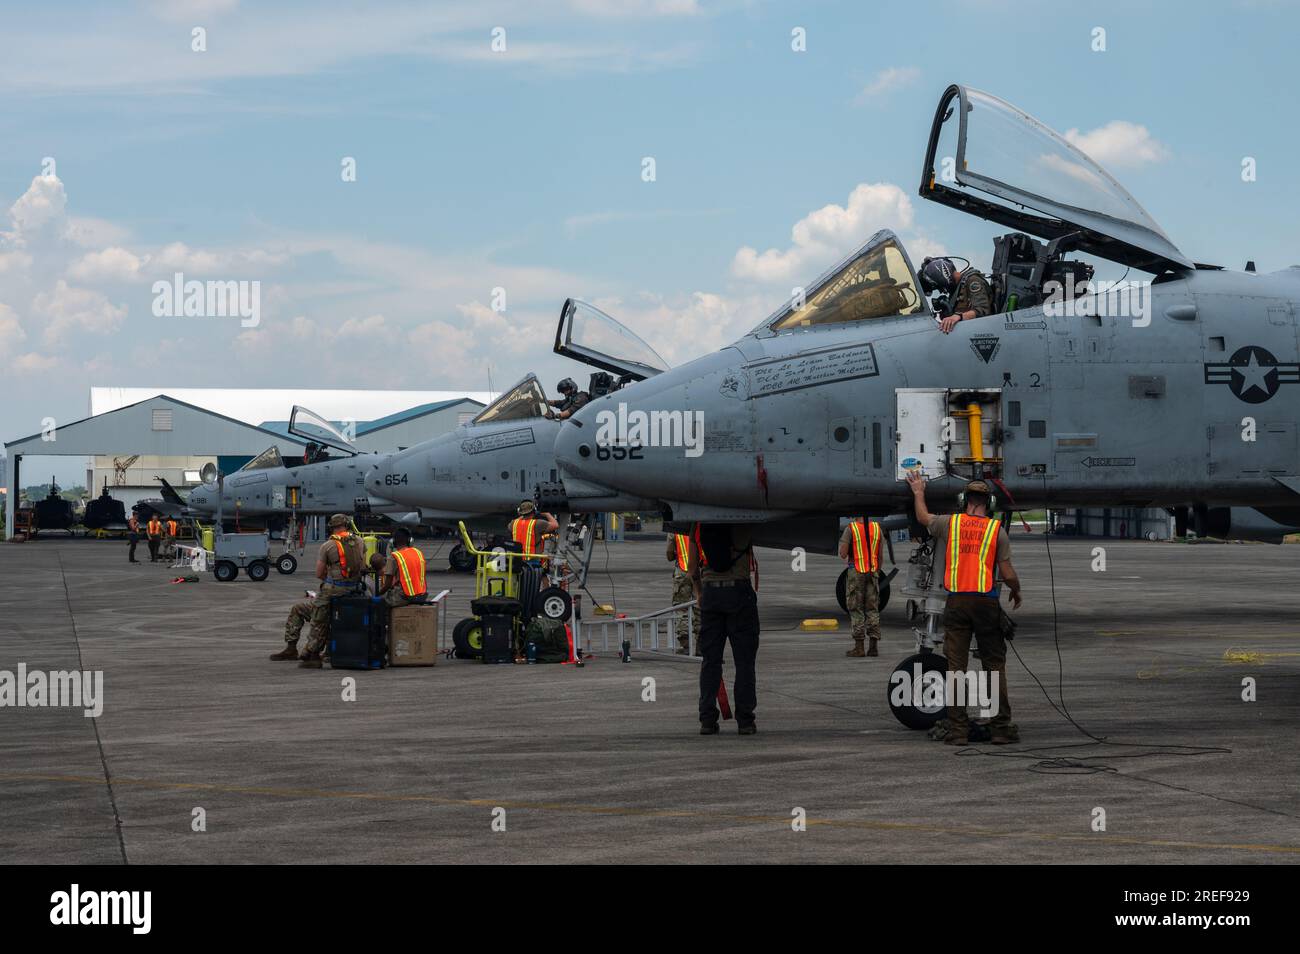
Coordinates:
313 428
587 334
990 159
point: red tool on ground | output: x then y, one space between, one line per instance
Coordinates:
723 702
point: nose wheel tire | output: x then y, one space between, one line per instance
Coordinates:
554 603
286 564
460 560
900 691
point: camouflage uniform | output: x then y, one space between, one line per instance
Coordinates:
683 592
862 594
299 614
968 616
862 597
320 606
973 294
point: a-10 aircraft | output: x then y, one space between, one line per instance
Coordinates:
1178 392
480 472
329 478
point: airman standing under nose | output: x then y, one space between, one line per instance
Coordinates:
976 551
860 544
679 554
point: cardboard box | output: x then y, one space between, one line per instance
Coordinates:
413 635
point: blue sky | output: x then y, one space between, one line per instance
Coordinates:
522 169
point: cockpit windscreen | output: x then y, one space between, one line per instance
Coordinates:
523 401
265 461
876 282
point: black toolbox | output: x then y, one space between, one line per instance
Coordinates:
497 616
358 632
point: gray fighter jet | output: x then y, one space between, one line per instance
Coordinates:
1177 391
480 471
330 477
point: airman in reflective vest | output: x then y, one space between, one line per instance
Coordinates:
404 572
341 568
155 530
861 545
679 555
976 551
528 528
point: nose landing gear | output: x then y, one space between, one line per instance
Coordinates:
911 691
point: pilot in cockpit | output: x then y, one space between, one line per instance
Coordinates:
314 452
569 404
964 293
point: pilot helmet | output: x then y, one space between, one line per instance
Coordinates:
938 274
566 386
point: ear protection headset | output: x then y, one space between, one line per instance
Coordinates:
993 500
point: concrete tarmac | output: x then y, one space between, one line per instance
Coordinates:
1153 653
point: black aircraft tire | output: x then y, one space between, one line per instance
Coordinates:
842 589
467 637
258 571
286 564
912 716
225 571
554 603
459 560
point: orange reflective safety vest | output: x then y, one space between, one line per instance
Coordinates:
867 540
155 528
171 528
683 551
338 539
972 554
524 531
410 571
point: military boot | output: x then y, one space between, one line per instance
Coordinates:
857 651
311 661
1007 734
873 651
290 651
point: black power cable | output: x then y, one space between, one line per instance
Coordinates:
1063 765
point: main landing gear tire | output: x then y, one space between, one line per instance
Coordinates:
286 564
554 603
842 589
468 639
460 560
917 717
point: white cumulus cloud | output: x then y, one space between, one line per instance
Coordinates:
110 264
67 311
1119 143
887 81
828 233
